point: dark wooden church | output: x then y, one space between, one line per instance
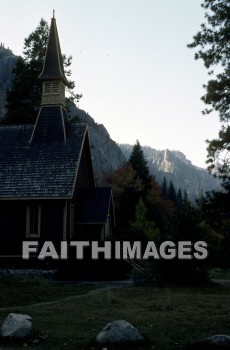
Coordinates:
47 186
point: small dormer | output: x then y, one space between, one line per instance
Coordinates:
53 75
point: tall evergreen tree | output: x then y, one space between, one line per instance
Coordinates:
172 192
185 197
24 97
179 198
139 164
165 188
213 43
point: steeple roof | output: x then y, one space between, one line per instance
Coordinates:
53 65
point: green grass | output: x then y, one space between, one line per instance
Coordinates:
25 292
220 273
168 318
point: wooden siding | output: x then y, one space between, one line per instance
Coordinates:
13 225
52 214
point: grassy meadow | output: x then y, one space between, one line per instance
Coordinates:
169 318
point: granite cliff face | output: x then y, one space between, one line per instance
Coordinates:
7 63
176 167
106 154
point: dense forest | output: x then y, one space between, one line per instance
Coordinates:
146 211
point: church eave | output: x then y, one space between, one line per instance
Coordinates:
50 77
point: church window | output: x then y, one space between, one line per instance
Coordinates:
33 220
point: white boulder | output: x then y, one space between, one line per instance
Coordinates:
16 326
119 331
218 341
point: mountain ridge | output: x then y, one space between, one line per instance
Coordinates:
174 166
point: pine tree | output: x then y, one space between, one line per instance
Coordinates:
185 197
179 198
171 192
165 188
213 46
139 164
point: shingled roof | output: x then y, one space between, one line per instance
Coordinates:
93 205
50 125
39 169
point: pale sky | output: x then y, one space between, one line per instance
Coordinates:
131 63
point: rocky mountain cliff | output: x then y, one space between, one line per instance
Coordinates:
108 156
7 63
176 167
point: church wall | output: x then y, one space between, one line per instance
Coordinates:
12 227
52 221
13 224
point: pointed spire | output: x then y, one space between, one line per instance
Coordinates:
50 125
53 66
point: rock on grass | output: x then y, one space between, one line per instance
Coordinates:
119 331
16 327
219 341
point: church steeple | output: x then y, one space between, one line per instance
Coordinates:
53 75
51 122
